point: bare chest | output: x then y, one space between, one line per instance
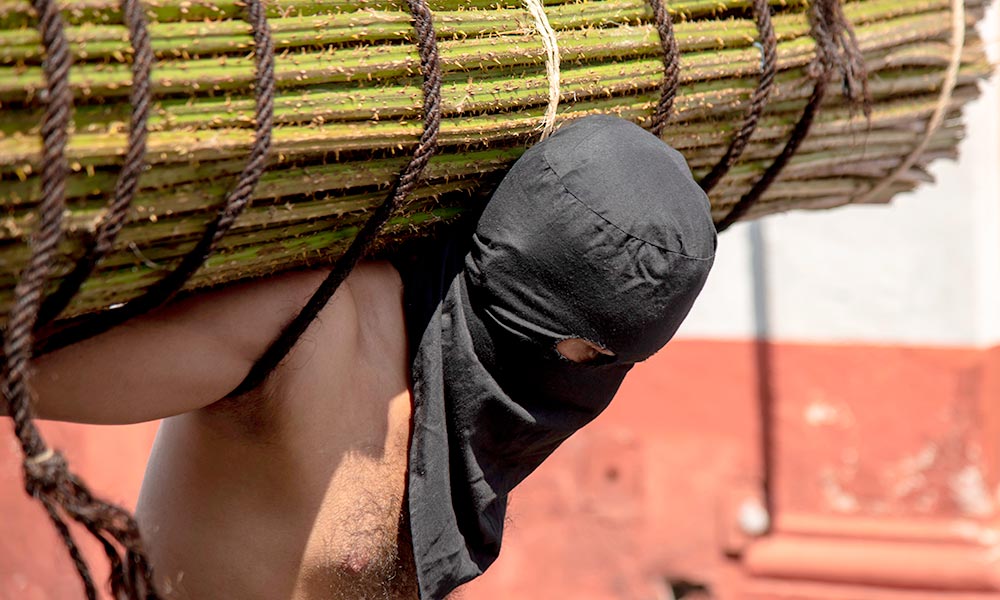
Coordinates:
353 433
298 491
359 539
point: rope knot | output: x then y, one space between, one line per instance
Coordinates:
45 472
48 479
838 50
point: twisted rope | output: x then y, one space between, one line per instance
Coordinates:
408 179
551 46
799 133
836 50
236 201
46 474
841 52
671 67
140 98
768 68
28 291
957 42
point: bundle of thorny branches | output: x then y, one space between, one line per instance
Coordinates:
146 142
348 109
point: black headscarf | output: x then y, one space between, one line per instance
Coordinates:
598 233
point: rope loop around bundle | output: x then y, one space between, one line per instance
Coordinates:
237 199
837 50
409 177
671 67
140 99
768 45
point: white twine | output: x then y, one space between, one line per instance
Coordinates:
548 36
940 110
40 458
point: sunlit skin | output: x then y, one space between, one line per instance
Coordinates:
581 350
293 491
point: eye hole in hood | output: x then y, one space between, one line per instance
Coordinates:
583 351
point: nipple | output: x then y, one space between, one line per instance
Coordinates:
357 561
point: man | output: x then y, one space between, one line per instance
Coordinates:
376 461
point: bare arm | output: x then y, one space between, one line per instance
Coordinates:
180 358
277 494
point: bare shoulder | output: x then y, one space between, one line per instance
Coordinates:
356 342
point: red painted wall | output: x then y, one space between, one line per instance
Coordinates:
882 464
33 563
883 467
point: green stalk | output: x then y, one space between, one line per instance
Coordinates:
183 39
341 65
702 143
184 146
348 114
459 96
166 240
15 14
701 100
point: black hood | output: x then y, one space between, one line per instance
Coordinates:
598 233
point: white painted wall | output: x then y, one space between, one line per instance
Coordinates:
924 269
